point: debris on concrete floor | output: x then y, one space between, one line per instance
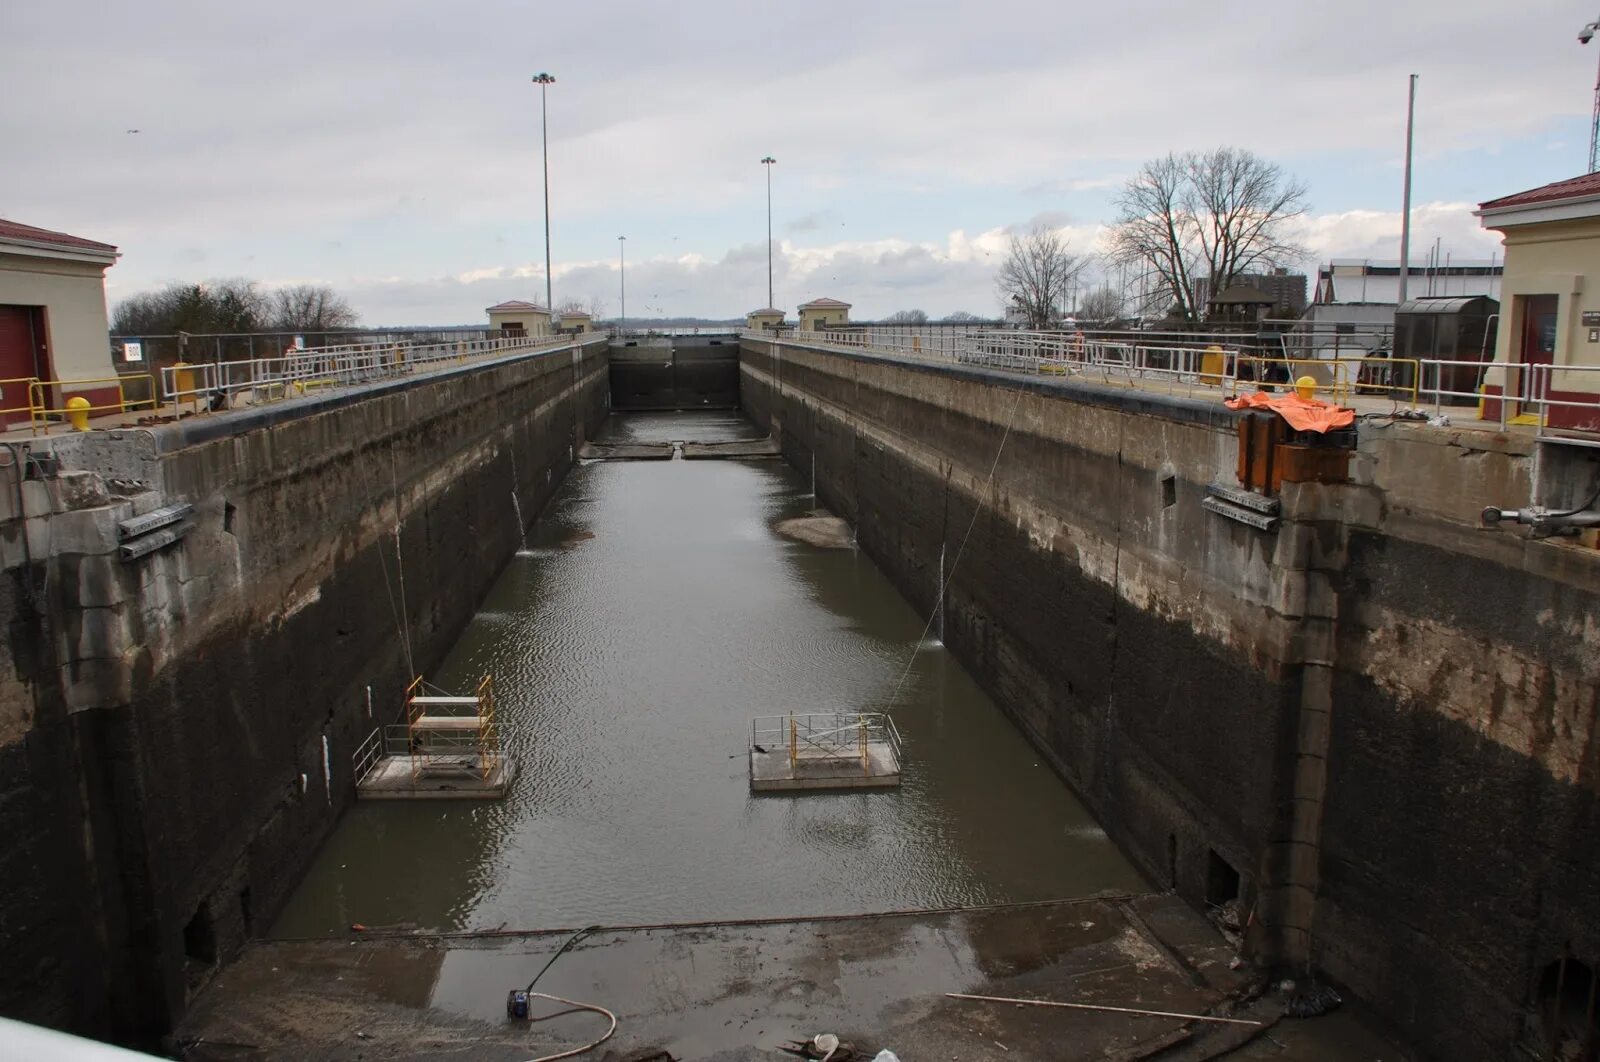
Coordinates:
735 991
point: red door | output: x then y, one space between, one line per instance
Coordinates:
1538 341
19 351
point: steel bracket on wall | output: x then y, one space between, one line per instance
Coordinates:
140 535
1242 506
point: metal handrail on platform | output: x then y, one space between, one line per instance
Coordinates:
836 736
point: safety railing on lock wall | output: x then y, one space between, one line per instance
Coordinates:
1228 365
51 403
212 386
1569 413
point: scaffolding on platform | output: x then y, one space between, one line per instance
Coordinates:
448 746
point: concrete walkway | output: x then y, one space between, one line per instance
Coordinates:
738 990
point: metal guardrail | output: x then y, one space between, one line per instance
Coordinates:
1205 365
41 394
211 386
812 736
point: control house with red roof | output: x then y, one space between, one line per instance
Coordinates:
1549 338
52 313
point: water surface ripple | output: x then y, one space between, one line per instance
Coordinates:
654 613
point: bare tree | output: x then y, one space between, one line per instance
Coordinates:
310 308
1102 304
595 307
1217 215
960 317
906 317
1037 271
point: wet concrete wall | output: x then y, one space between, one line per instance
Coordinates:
675 372
1380 717
178 729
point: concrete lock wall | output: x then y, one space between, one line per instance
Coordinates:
1380 717
660 372
176 731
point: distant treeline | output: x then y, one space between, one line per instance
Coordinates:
230 306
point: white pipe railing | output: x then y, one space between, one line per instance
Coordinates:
1206 365
223 384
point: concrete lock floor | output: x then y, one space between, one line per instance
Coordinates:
730 991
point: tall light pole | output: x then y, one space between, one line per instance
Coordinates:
768 163
1405 202
543 80
1586 35
622 276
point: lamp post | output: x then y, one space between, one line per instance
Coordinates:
768 163
622 277
543 80
1405 202
1586 35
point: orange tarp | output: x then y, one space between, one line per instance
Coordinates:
1303 414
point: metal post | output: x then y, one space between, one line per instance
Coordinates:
767 163
543 80
622 277
1405 202
1586 35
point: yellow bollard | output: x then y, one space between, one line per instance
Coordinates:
78 412
1213 363
1306 388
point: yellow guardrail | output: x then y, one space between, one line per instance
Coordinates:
1338 377
10 387
39 396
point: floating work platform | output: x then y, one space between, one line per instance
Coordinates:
747 448
824 751
447 749
688 450
646 451
392 778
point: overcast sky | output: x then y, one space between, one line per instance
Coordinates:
392 149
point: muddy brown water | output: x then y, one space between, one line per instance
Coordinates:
654 612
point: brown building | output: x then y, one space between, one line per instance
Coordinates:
1286 290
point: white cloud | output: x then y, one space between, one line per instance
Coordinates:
1376 233
395 139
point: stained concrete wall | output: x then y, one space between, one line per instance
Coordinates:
163 723
1381 717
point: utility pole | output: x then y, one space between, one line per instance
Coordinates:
1405 203
543 80
622 276
768 163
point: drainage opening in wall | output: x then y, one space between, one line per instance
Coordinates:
1568 1021
199 943
228 511
1222 881
1169 491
